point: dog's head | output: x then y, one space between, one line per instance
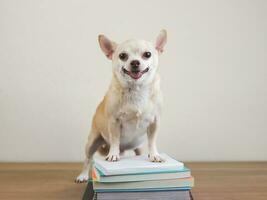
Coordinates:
134 61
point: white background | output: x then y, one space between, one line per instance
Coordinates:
214 75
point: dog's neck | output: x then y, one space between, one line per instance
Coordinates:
134 98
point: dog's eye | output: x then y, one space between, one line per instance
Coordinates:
123 56
147 54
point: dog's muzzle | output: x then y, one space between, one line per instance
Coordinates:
135 73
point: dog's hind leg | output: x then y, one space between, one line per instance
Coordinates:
94 141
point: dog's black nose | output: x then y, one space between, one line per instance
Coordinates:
135 64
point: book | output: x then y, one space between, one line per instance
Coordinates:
158 195
98 176
166 184
90 194
137 165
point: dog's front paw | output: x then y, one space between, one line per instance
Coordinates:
155 157
82 178
113 158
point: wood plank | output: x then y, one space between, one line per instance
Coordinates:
230 181
213 181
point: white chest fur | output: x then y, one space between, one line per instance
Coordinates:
136 112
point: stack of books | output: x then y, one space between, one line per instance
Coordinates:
135 177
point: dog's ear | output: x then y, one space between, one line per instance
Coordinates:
161 40
107 46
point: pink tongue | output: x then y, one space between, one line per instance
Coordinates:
136 75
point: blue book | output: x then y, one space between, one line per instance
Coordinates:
172 194
154 185
98 176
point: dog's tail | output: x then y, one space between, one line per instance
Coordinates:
103 150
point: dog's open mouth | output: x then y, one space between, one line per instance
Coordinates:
135 74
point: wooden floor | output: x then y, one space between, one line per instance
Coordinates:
213 181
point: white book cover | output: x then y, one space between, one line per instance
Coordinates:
136 165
